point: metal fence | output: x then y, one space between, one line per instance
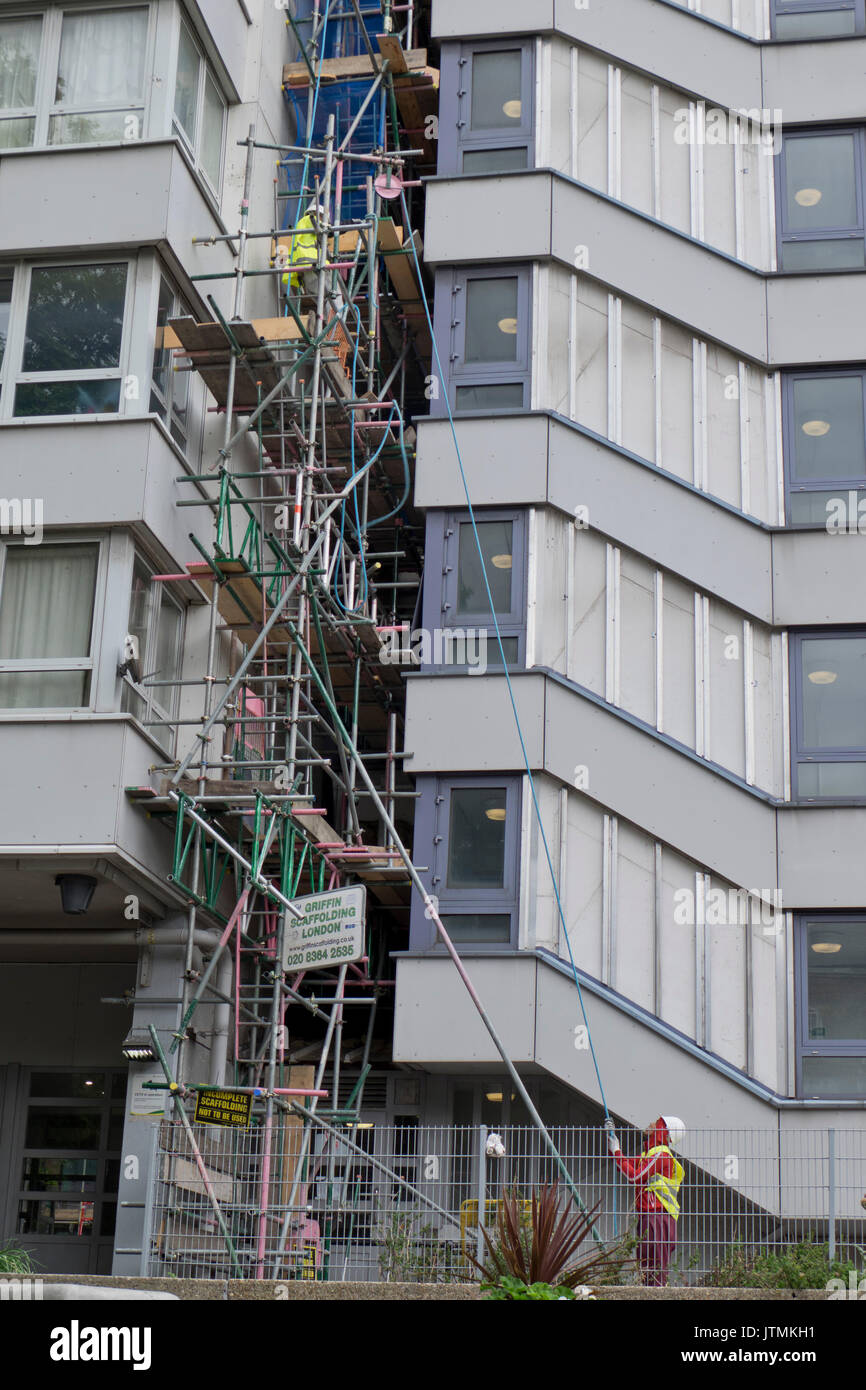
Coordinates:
402 1202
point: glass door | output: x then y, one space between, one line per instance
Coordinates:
70 1134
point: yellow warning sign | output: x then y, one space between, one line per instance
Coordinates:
223 1108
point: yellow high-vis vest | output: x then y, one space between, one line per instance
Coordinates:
666 1189
303 249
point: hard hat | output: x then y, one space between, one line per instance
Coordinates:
675 1128
318 210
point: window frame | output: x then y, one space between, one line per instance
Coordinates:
781 9
792 487
853 233
12 374
456 137
801 752
193 146
451 338
158 717
45 105
432 833
35 665
814 1047
177 425
442 549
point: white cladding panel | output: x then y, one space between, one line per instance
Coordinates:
687 405
704 170
681 660
695 950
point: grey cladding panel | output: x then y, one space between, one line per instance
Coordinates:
505 462
669 43
460 228
454 19
508 993
465 724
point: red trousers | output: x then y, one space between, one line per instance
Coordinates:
657 1240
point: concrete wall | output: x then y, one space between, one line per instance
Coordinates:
52 1013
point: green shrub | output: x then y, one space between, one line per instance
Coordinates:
801 1266
507 1288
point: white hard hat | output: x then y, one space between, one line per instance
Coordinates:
318 208
675 1128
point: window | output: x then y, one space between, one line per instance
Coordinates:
156 619
490 88
831 1017
199 108
47 604
821 201
488 339
818 19
825 446
70 362
473 826
169 394
469 635
73 76
828 681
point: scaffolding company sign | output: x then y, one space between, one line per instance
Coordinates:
331 931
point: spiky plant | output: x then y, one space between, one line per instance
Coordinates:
547 1251
14 1260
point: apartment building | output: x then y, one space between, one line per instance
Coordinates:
644 239
119 126
647 237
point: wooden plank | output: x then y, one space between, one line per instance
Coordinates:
391 48
343 69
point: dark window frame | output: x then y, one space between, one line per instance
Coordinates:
456 138
104 1194
813 1047
801 752
783 8
792 487
451 298
431 846
440 599
852 233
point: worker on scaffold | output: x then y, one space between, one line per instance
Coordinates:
303 249
657 1176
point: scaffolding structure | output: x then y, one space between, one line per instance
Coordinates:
294 783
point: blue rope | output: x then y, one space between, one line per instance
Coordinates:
505 665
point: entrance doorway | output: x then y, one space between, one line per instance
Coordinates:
65 1165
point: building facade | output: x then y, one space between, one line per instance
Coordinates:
647 240
118 145
644 241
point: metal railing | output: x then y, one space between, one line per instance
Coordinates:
401 1202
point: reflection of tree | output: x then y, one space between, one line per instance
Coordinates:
75 318
76 130
17 72
68 398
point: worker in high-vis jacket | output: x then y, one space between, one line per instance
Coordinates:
303 246
657 1176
